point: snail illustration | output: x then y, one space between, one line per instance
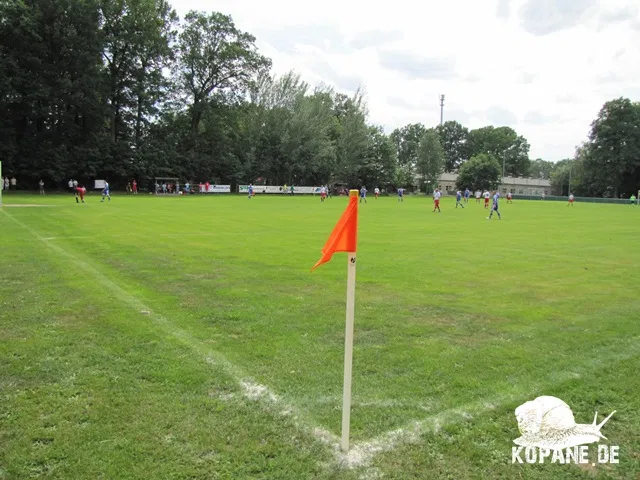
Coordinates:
547 422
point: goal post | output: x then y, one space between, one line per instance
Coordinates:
1 183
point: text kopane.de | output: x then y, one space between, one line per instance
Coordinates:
579 455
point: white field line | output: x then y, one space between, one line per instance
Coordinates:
180 235
361 453
250 389
25 205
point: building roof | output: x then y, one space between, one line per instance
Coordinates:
532 182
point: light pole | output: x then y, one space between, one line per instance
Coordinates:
441 108
570 169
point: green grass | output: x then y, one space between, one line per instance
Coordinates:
458 321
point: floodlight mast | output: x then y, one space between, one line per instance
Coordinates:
441 108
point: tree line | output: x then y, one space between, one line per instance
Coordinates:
122 89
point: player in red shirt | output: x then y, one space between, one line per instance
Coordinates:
135 187
80 191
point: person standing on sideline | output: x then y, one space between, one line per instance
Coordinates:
41 183
494 207
633 199
14 182
363 194
134 185
570 200
436 199
6 183
459 198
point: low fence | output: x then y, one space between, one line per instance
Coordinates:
558 198
281 190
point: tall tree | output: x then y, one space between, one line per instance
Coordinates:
379 164
566 176
153 53
50 100
307 150
613 163
352 136
453 138
406 140
215 56
505 145
481 172
540 168
430 160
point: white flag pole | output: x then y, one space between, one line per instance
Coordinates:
348 350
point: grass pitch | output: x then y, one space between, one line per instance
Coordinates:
186 337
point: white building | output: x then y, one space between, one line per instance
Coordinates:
515 185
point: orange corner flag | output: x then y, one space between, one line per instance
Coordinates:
345 233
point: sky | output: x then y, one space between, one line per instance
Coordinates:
542 67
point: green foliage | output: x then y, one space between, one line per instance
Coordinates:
407 139
404 177
379 166
482 172
430 159
611 159
568 177
540 168
504 144
453 138
215 56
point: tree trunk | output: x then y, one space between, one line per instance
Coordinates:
196 116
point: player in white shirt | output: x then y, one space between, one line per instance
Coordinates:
486 196
570 200
436 199
323 194
377 192
478 195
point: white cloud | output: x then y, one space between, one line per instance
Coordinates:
545 67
